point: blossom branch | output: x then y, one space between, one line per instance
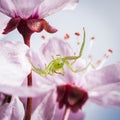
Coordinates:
29 83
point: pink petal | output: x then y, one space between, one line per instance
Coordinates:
72 77
12 111
105 76
47 7
27 7
24 91
104 89
77 116
7 8
14 8
55 46
14 64
46 108
110 99
39 8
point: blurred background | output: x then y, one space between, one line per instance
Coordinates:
101 19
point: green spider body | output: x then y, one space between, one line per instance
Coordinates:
53 67
57 65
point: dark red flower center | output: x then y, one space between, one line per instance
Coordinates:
28 26
71 96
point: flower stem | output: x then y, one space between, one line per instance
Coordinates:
66 113
28 110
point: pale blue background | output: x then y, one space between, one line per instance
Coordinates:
101 18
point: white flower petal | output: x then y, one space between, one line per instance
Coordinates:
55 46
14 8
110 99
7 7
48 7
40 8
14 64
12 111
25 91
46 108
107 88
27 7
107 75
77 116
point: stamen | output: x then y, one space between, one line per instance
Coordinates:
100 63
89 56
110 50
77 33
91 44
66 113
92 38
67 36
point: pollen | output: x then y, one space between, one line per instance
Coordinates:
110 50
77 33
92 38
67 36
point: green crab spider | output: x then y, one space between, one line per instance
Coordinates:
57 65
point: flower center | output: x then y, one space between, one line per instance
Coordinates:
28 26
71 96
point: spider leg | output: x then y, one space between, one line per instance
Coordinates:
73 62
43 72
69 66
81 50
80 70
38 70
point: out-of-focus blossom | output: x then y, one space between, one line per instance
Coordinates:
13 110
28 15
14 67
14 63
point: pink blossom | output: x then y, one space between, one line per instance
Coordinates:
14 68
101 85
92 85
28 15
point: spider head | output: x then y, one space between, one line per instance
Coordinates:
58 63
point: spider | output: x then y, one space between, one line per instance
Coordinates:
57 65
